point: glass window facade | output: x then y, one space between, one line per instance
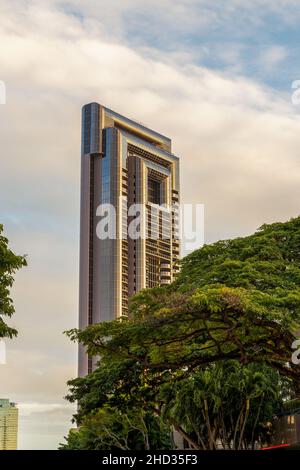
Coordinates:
105 183
154 192
124 163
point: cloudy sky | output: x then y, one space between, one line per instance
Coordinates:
215 76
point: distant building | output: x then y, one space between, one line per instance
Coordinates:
124 164
8 425
287 428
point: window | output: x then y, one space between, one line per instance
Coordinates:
291 419
152 272
154 191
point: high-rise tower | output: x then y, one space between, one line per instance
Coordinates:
8 425
126 165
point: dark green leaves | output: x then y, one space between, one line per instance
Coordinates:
9 264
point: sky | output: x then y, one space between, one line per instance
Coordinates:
214 76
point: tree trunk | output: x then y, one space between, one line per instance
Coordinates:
244 423
179 429
237 427
256 420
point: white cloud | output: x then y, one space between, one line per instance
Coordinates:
27 409
45 425
272 56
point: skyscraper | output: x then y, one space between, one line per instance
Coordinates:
8 425
131 168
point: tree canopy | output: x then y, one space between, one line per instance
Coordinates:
9 264
233 311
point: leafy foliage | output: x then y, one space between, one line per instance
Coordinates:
223 330
109 429
9 264
226 403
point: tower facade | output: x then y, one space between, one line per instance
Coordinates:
130 178
8 425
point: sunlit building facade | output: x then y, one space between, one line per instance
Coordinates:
8 425
124 164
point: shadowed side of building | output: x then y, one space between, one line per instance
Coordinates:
124 164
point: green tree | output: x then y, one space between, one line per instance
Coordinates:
9 264
110 428
227 404
233 311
